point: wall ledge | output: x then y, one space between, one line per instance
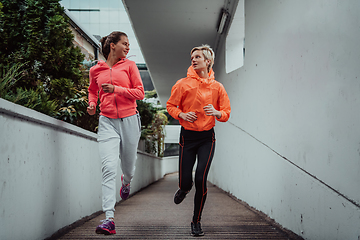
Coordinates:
27 114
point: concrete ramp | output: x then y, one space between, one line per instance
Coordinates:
152 214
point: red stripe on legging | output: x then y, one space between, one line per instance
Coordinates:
180 165
203 185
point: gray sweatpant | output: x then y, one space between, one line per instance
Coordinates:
118 138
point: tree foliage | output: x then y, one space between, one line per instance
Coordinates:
153 121
37 41
37 32
40 68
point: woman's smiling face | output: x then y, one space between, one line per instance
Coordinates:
121 48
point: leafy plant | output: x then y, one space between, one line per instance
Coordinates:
157 136
37 35
147 113
74 107
9 76
153 121
36 99
151 94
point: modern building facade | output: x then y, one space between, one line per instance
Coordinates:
88 44
100 18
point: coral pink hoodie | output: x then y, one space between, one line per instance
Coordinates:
125 76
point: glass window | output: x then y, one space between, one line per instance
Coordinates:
235 40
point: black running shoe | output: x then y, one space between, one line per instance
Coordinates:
179 196
196 230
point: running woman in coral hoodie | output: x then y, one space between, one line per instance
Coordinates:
118 84
196 101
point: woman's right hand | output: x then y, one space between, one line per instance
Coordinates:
190 116
91 109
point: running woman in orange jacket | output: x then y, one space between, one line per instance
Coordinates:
196 101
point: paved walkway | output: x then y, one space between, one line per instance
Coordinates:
152 214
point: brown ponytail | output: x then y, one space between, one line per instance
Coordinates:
113 37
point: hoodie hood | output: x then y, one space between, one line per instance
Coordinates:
191 73
103 64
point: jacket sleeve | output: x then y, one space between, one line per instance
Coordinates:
137 90
224 104
93 89
174 101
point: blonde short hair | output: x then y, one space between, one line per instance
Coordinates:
207 52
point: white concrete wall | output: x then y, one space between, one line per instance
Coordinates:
291 148
50 173
170 164
172 133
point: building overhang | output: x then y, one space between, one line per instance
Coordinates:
167 30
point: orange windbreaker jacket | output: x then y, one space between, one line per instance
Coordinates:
125 76
191 94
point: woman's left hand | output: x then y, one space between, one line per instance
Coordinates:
211 111
108 88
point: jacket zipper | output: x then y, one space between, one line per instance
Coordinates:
117 111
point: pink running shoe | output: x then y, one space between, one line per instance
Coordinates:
107 227
125 189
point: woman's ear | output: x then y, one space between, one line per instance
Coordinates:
208 62
112 45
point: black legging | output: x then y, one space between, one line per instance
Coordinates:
202 144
